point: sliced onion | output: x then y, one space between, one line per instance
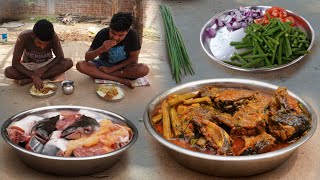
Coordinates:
211 32
235 19
219 23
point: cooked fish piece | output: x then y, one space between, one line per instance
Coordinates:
250 119
285 102
230 100
210 91
286 126
287 119
258 144
215 136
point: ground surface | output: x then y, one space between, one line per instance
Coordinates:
147 159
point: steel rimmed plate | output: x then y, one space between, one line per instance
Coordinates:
34 93
104 88
219 49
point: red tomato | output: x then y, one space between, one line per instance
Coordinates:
275 13
284 14
290 19
274 8
259 20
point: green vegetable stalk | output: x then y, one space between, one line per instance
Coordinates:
178 56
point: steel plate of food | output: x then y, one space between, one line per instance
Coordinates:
69 140
49 89
110 92
257 38
230 127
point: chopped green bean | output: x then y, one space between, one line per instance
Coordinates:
288 48
234 43
234 57
272 40
261 52
233 63
243 46
255 56
240 58
279 57
252 63
301 52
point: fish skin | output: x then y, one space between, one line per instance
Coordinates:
44 128
54 147
34 145
85 125
26 123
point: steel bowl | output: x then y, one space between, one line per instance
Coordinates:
229 166
219 49
67 87
69 166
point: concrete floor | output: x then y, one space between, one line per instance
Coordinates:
147 159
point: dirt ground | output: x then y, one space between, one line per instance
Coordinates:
76 32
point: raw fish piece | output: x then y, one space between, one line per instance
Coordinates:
43 129
84 126
55 147
34 145
56 134
26 123
52 114
97 116
66 121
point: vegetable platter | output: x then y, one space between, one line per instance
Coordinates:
257 38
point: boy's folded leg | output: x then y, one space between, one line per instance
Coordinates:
23 82
59 78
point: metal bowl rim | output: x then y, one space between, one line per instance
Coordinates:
118 151
254 69
200 155
67 83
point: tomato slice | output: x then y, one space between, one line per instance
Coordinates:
275 13
259 20
290 19
275 8
283 14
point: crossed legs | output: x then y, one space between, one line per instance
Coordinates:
57 69
123 76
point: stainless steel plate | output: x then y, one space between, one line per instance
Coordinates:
114 99
49 94
219 49
69 166
227 165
